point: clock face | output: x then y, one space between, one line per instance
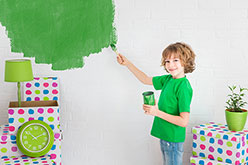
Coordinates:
35 138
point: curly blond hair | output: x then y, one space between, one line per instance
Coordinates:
183 52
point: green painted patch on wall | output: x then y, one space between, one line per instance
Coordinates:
58 32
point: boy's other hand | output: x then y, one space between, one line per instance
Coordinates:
151 110
122 60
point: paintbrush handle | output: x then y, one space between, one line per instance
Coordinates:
116 52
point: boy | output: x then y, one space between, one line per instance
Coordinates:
171 114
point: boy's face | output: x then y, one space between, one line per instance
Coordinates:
174 67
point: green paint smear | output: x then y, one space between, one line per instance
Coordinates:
59 32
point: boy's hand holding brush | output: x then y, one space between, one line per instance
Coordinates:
120 58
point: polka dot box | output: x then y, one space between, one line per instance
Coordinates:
8 147
7 142
24 160
41 88
47 111
195 160
215 142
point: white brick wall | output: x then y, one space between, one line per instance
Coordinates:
113 130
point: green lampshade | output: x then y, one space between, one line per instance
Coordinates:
18 70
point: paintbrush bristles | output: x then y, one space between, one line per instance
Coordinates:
113 47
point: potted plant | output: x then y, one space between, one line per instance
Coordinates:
235 115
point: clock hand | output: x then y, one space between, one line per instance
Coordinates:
39 135
31 135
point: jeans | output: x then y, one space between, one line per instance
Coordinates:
172 152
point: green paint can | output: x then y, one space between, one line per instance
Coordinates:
149 98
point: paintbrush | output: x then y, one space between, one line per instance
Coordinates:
114 48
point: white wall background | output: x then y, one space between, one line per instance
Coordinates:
101 103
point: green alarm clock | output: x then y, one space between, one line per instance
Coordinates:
35 138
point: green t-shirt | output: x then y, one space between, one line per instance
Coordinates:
175 98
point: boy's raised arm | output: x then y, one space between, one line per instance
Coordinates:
122 60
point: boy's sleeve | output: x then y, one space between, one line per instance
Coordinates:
159 81
184 98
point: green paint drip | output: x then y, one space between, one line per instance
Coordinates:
59 32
